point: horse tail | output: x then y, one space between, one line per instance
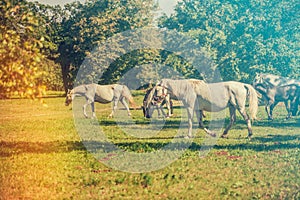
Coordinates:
253 101
127 94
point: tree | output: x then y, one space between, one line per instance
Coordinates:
22 50
243 37
84 26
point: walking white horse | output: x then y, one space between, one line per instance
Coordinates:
101 94
197 95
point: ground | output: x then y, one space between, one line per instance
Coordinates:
42 157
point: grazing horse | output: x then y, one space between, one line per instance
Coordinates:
269 83
273 80
101 94
275 94
155 96
152 99
197 95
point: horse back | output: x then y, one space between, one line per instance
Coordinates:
237 92
288 91
104 93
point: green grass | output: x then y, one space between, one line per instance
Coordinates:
42 157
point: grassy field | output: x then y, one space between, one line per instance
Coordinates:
42 157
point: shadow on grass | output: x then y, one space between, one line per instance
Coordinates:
258 143
175 123
8 149
268 143
277 123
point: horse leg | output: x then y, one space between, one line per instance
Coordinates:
190 112
125 105
288 109
272 106
84 110
232 111
85 105
247 120
267 111
294 106
93 109
160 108
115 106
169 106
199 115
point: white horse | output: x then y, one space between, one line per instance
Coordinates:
273 80
154 100
197 95
275 89
101 94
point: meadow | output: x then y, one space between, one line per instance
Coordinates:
43 157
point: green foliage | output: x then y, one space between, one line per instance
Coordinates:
53 79
22 50
243 37
84 26
240 37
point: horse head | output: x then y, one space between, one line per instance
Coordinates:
69 97
257 79
148 108
152 99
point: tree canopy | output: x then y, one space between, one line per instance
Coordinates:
243 37
42 46
24 46
84 26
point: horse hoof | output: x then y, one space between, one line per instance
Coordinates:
224 136
213 135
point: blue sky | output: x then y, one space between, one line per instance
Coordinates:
166 5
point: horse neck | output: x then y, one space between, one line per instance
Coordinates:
79 90
150 96
260 88
147 95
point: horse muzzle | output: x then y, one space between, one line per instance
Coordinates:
67 103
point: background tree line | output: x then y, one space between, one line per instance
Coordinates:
42 47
